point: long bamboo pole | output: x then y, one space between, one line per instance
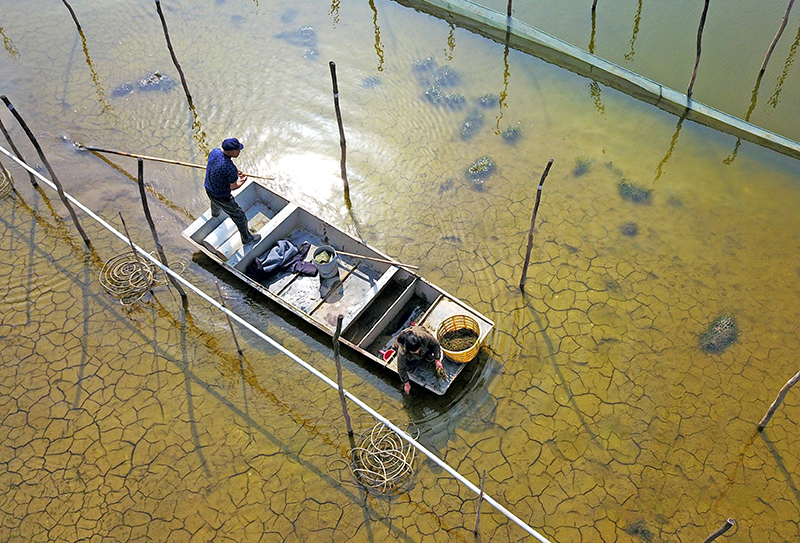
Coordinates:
378 260
699 42
533 224
53 175
776 38
778 401
157 159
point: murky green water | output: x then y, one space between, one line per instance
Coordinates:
595 412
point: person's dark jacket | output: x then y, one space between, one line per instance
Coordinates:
407 361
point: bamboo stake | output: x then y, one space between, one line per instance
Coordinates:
339 373
16 151
53 176
724 528
230 323
594 5
157 159
699 40
172 51
533 223
378 260
152 225
778 401
342 142
480 501
130 243
776 38
71 12
508 10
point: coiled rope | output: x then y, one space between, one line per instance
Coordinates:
382 461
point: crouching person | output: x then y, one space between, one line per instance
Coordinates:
415 346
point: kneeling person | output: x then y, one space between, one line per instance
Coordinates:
415 345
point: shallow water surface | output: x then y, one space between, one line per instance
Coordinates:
594 410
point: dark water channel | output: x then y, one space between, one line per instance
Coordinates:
596 412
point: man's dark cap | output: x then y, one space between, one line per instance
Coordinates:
232 144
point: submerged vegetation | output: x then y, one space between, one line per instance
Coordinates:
721 334
634 193
481 168
582 166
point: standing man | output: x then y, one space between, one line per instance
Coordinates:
222 176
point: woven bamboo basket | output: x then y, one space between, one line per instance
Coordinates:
458 322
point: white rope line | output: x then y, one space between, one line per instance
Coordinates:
291 355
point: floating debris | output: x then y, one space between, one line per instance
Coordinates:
471 124
512 134
481 169
629 229
156 81
721 334
582 166
634 193
488 100
639 529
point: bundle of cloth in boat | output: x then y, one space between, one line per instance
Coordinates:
283 256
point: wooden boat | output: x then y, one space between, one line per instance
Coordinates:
377 299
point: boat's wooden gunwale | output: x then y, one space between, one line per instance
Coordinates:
284 217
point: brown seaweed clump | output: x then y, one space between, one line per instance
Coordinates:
459 340
721 334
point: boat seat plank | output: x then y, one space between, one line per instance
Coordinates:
225 239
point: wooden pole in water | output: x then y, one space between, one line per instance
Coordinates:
594 5
152 225
778 401
699 41
230 323
533 224
480 501
508 10
724 528
158 159
342 142
130 243
16 151
172 51
53 176
339 374
776 38
71 12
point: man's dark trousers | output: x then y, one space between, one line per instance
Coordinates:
228 205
